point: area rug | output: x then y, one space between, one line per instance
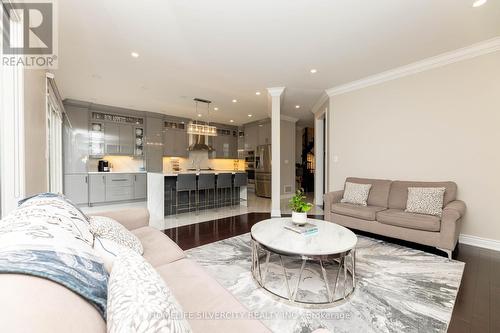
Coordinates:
398 289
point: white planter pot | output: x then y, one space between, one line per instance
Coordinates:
299 218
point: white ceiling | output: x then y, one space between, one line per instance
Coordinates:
225 49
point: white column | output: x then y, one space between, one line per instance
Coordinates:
275 105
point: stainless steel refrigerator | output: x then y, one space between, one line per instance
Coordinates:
263 171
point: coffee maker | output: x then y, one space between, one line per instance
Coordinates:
103 166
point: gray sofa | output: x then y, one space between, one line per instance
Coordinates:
385 214
33 304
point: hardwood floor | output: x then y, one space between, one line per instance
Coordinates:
477 308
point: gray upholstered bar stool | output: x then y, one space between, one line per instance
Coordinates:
186 182
224 183
240 180
206 182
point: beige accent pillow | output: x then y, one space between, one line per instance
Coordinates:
425 200
139 301
356 194
107 228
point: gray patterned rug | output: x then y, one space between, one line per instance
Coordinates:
398 289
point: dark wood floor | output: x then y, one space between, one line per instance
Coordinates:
477 308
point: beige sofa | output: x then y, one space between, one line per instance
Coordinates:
385 213
33 304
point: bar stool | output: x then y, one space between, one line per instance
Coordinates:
240 179
186 182
206 182
224 182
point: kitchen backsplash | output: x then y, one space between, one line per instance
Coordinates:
118 163
199 159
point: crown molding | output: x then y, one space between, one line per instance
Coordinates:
288 118
275 91
315 109
468 52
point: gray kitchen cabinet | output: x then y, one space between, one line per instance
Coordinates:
175 143
112 139
127 140
264 130
97 188
251 137
76 188
75 140
140 186
225 146
154 144
119 187
119 139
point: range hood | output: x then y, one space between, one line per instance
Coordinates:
198 142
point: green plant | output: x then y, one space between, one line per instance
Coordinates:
298 202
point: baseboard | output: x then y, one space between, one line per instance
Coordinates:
275 212
486 243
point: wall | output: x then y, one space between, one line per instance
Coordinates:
201 159
441 124
118 163
287 154
35 131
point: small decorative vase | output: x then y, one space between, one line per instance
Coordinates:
299 218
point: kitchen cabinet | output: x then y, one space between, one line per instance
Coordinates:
225 146
251 137
119 187
76 188
119 139
264 136
97 188
154 144
175 142
75 140
140 186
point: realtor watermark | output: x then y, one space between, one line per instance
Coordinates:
29 34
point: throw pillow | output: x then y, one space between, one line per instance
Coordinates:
107 228
425 200
356 193
139 301
108 250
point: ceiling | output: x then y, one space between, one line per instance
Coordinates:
224 49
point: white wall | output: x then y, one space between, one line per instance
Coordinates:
287 154
442 124
35 131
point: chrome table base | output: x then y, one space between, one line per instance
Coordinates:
340 260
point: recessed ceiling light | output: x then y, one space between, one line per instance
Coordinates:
234 100
297 106
231 121
199 114
134 54
257 93
216 108
479 3
313 71
249 116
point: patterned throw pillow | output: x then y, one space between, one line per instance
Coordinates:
356 193
107 228
139 301
425 200
108 251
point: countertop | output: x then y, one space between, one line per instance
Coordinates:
115 172
174 174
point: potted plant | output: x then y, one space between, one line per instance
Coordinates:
299 207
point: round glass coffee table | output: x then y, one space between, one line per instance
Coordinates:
332 248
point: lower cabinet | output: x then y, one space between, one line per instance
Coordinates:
115 187
76 188
97 188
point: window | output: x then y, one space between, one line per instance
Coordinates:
54 138
12 174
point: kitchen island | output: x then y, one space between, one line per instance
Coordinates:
162 195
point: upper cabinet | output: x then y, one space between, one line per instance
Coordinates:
225 144
175 139
112 134
154 144
256 134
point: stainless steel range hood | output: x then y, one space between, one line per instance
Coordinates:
199 142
